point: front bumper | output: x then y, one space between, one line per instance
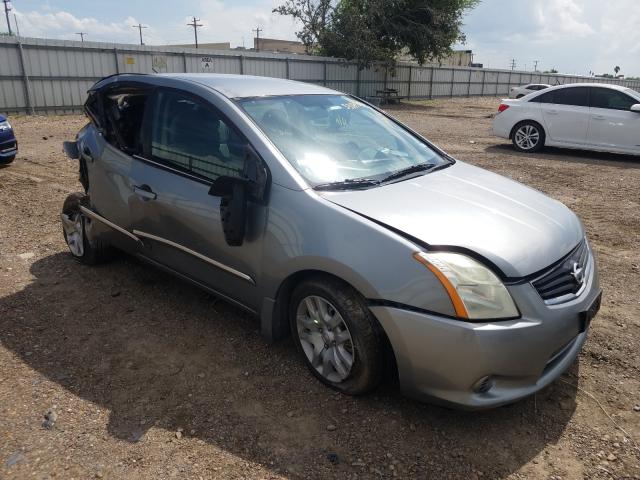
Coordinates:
443 360
8 146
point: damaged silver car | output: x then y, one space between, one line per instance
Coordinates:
334 223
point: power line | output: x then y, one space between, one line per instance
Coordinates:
139 27
257 30
195 26
7 9
82 34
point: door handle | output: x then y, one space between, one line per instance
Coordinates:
598 117
145 192
552 112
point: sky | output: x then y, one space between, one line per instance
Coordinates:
572 36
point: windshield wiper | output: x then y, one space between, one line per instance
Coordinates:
348 184
421 167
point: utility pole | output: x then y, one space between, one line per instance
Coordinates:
7 9
195 26
535 68
82 34
513 64
139 27
257 30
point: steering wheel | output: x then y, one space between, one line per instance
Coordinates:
370 153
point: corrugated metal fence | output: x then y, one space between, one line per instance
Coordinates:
53 76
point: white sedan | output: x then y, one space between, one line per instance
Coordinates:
519 92
588 116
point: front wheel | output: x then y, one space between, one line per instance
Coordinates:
340 340
528 137
74 229
7 160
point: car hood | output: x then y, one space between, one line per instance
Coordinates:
517 228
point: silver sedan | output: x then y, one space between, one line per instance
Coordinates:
334 223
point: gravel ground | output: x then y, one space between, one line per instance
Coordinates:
142 376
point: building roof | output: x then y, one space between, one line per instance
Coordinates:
242 86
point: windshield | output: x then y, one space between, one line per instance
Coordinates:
333 139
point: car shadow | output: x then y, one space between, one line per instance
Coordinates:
587 157
159 353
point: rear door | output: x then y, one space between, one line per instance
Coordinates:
109 153
565 113
188 144
613 125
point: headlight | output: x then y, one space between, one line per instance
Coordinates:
5 125
475 291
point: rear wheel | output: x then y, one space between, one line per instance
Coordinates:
74 228
528 136
340 340
7 160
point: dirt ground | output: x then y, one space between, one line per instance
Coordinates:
151 378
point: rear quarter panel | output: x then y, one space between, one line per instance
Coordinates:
517 112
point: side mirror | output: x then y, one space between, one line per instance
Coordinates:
71 150
635 108
236 192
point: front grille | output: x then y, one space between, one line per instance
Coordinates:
7 147
565 280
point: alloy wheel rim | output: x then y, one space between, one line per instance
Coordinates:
527 137
325 338
74 233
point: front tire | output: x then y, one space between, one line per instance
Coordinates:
74 229
7 160
340 340
528 137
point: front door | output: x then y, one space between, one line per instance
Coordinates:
189 145
613 125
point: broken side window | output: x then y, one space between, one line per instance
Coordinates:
124 114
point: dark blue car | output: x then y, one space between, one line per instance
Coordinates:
8 142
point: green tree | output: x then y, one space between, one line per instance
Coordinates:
314 16
616 70
377 31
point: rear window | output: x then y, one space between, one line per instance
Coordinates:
124 112
574 96
544 98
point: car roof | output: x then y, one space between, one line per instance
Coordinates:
592 84
627 90
231 86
